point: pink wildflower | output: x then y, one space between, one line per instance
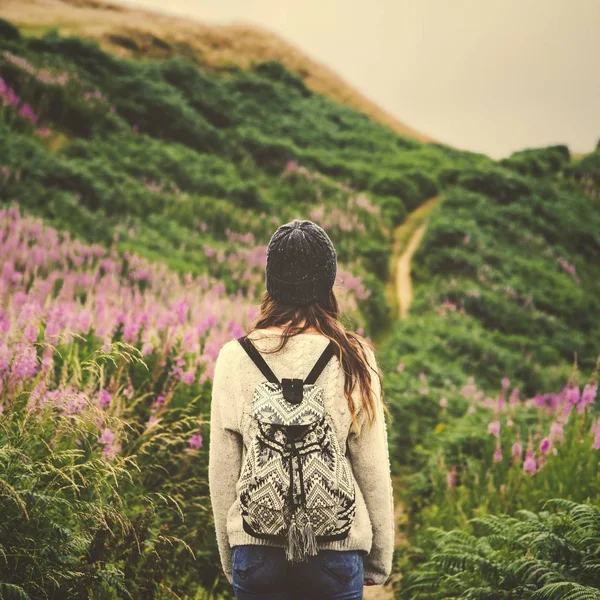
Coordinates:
587 397
111 450
188 377
43 132
451 478
545 446
27 113
556 431
498 452
529 465
494 428
573 394
517 451
107 436
104 399
195 441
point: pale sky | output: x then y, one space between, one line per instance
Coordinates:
492 76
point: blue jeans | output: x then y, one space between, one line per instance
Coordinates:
262 572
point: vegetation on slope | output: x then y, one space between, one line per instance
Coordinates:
134 32
163 181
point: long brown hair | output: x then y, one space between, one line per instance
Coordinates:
349 347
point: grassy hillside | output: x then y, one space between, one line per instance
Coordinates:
134 32
138 197
169 156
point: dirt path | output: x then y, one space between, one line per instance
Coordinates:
398 289
407 238
403 282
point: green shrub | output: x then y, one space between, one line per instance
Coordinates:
500 184
393 208
400 186
9 32
538 162
548 555
278 72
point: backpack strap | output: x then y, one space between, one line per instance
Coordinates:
260 362
320 364
257 358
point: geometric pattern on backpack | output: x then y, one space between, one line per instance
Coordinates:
296 484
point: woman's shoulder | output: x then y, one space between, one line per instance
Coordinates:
230 351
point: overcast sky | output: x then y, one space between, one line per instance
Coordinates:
486 75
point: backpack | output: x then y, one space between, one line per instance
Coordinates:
296 485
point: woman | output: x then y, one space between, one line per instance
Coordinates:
299 318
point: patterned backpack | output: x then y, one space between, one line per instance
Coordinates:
296 485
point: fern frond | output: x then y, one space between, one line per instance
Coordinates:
8 591
566 590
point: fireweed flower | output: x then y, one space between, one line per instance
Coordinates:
573 394
505 383
111 450
556 431
195 441
160 400
27 113
188 377
529 464
107 436
514 397
494 428
587 396
545 446
104 399
468 390
451 477
77 402
517 451
498 452
595 431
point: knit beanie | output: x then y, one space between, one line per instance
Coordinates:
301 263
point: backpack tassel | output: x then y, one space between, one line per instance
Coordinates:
301 539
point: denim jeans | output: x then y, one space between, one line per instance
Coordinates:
262 572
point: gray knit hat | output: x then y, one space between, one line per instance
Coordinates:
301 263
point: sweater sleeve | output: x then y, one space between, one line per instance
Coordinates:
369 456
225 451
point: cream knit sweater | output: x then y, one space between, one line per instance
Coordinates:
234 381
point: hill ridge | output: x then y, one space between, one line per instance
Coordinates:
152 33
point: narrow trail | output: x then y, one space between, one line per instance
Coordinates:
407 238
